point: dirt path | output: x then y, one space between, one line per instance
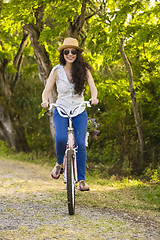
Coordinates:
33 206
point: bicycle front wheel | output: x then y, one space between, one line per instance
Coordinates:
70 182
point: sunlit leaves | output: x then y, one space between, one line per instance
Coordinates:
10 69
105 23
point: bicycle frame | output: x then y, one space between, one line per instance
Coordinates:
70 146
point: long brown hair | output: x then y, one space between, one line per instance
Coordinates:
79 71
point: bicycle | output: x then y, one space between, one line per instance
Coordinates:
69 164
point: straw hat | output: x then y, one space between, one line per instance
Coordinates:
70 43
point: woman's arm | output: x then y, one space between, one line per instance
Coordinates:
49 86
93 89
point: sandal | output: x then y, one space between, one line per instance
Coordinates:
83 186
56 171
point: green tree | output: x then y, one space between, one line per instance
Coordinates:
11 52
136 22
99 26
33 22
39 21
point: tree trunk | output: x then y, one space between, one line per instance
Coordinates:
42 57
75 27
12 131
44 66
10 126
135 108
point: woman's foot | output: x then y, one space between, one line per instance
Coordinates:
56 171
83 186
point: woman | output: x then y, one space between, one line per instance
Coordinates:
70 77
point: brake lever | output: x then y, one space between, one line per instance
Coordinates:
90 105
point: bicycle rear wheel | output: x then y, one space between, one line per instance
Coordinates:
70 182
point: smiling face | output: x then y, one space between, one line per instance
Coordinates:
70 54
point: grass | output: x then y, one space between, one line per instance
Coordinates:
136 197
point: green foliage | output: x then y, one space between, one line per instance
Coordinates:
28 107
153 175
10 68
4 149
138 23
27 70
41 114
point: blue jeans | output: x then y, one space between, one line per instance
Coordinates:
80 128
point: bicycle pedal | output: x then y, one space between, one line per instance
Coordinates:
61 172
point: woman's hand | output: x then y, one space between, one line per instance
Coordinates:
94 101
44 104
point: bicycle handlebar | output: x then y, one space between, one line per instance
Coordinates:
63 112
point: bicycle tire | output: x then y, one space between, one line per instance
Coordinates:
70 182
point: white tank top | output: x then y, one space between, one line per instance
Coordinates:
67 99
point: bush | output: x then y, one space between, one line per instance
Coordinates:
152 175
